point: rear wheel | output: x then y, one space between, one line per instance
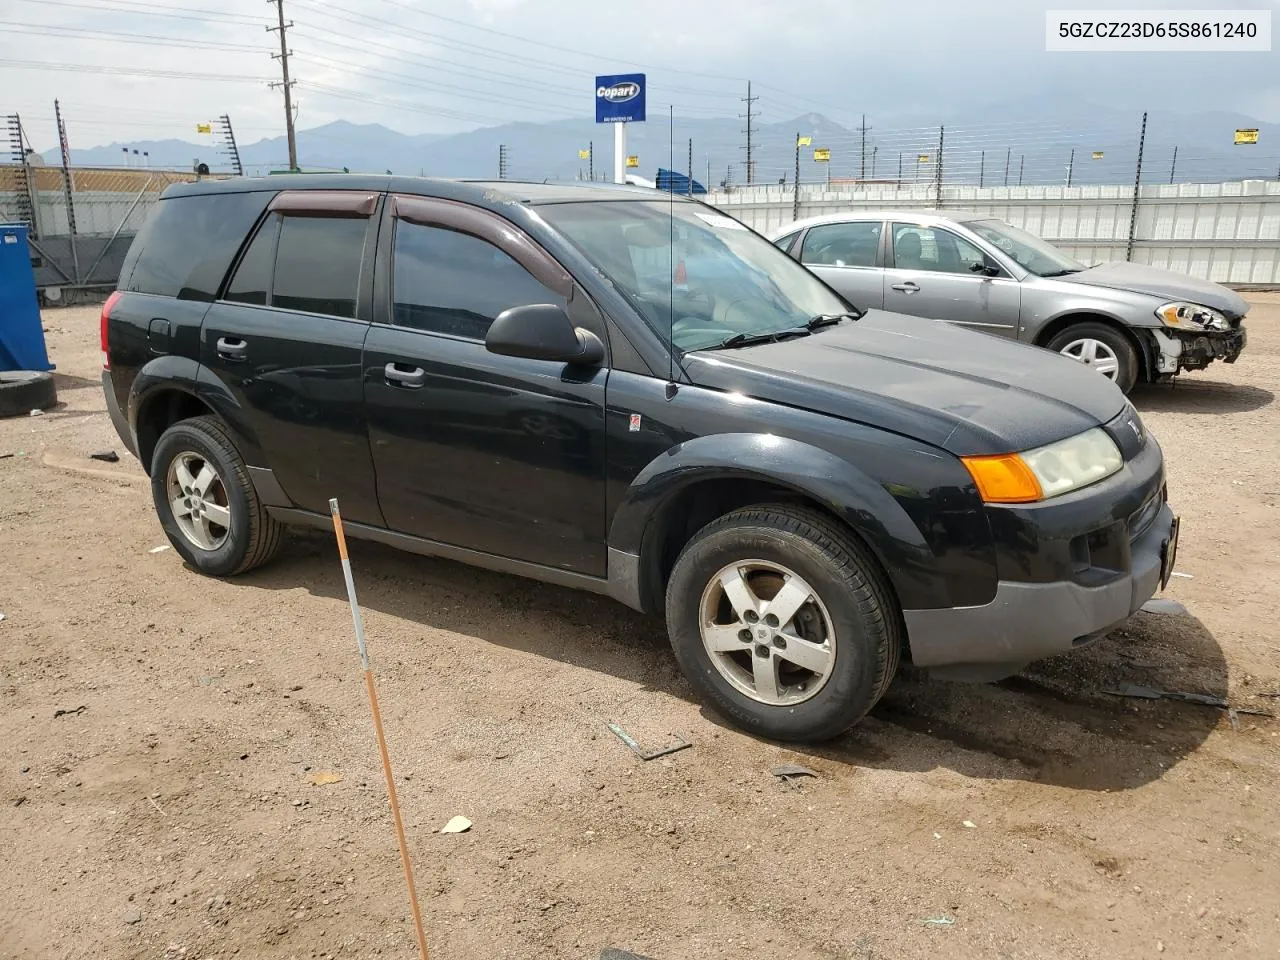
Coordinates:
783 621
206 502
1102 348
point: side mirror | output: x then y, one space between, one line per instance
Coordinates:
543 331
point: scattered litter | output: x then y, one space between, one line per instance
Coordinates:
613 953
157 806
1276 694
789 770
1150 693
37 413
69 713
1164 605
1181 575
940 922
970 824
2 618
937 835
456 825
640 752
19 801
5 456
1234 713
106 456
324 777
160 549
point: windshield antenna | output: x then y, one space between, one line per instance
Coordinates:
671 256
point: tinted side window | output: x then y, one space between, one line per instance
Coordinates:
842 244
252 278
784 243
318 264
188 243
454 283
928 248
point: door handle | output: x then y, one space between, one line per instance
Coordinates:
395 373
232 348
909 287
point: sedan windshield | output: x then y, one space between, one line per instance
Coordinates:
697 272
1034 254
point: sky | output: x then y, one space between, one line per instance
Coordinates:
151 69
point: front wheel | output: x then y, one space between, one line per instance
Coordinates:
1103 349
784 622
206 502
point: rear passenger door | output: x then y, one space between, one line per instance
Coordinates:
847 256
499 454
284 341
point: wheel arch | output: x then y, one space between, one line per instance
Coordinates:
681 492
1141 344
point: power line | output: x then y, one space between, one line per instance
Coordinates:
152 10
80 33
128 71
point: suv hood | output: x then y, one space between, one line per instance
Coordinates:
1165 284
966 392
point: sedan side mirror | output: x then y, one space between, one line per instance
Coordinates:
543 331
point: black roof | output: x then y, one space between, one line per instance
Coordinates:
486 192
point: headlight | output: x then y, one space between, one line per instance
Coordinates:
1191 316
1047 471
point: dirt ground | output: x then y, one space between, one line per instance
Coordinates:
170 814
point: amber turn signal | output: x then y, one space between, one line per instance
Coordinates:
1004 478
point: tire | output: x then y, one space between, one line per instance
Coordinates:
22 391
850 607
1075 340
248 538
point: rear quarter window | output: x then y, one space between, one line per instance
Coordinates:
188 243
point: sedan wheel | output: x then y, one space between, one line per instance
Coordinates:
767 632
198 498
1094 354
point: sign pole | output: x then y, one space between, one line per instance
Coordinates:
620 152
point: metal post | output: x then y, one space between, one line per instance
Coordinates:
1008 155
1173 166
982 169
898 183
67 188
591 161
1022 163
1071 165
751 163
1137 188
874 151
690 193
620 152
795 204
937 171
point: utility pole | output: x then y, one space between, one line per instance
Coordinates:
591 161
751 165
1071 165
1008 155
1173 166
874 151
795 203
982 170
690 167
862 174
502 161
937 171
1022 162
286 84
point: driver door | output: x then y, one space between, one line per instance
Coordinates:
503 455
930 276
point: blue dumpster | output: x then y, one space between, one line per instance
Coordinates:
21 335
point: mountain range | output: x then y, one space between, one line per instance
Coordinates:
1034 146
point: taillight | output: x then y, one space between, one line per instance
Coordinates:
103 320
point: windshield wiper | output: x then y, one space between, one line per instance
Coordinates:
748 339
829 319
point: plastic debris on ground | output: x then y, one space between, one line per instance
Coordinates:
939 922
456 825
106 456
323 778
1164 605
160 549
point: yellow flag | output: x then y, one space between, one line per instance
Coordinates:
1247 136
1097 154
633 161
923 158
822 154
584 154
804 141
204 128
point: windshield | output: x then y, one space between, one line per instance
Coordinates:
1034 254
698 271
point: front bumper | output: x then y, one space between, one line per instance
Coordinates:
1071 569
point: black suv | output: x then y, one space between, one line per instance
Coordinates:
634 394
